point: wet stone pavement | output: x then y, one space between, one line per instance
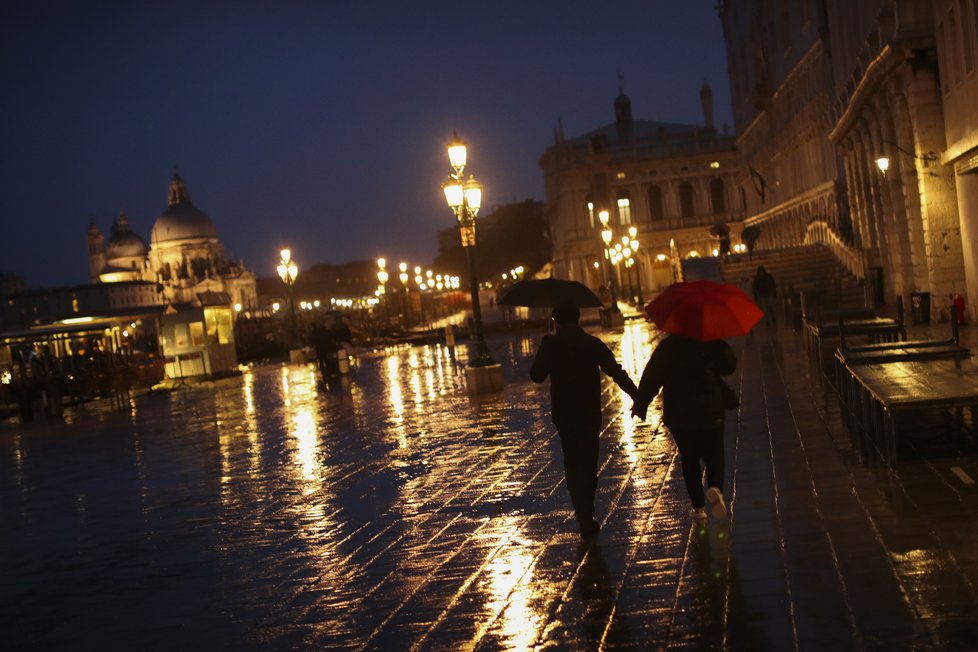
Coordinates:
393 512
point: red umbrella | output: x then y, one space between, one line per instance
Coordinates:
704 310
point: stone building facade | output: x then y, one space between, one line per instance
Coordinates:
185 256
828 93
956 26
672 182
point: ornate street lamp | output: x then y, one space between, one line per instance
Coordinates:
464 196
606 236
288 271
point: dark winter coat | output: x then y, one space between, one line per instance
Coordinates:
574 360
688 373
764 286
322 339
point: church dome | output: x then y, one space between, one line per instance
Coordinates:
181 219
124 242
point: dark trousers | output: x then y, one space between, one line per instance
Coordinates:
695 445
580 446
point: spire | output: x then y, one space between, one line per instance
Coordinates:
178 192
121 224
706 99
93 229
623 112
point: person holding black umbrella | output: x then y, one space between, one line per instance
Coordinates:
574 360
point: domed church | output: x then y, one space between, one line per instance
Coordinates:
185 255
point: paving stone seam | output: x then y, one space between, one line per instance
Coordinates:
920 625
478 572
552 620
550 617
776 362
777 501
646 526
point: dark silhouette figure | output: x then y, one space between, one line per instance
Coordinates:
342 338
693 395
574 360
766 295
724 249
321 339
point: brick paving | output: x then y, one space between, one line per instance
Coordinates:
393 512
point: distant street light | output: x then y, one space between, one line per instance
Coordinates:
633 244
606 236
288 271
406 297
382 276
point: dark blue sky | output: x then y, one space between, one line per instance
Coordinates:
320 125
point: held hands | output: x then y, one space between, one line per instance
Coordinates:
637 409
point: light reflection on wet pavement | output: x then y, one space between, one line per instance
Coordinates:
394 512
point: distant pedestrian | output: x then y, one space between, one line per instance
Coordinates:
574 360
694 398
724 249
766 295
343 340
321 339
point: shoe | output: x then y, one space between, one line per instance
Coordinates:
717 507
589 528
698 514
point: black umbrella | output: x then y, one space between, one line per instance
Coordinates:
750 233
549 292
720 230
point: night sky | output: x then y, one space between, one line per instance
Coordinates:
319 125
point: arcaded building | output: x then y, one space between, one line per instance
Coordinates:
856 122
671 182
185 256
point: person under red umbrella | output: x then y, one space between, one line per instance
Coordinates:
689 374
688 366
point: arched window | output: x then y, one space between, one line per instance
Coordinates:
624 208
686 199
718 197
656 213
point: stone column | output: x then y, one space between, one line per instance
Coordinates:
868 173
897 231
939 204
855 200
670 203
905 181
967 191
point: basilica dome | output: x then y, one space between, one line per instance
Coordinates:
181 219
124 242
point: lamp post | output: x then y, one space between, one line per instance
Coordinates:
606 236
382 276
422 286
406 299
625 282
617 257
288 271
634 245
465 199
